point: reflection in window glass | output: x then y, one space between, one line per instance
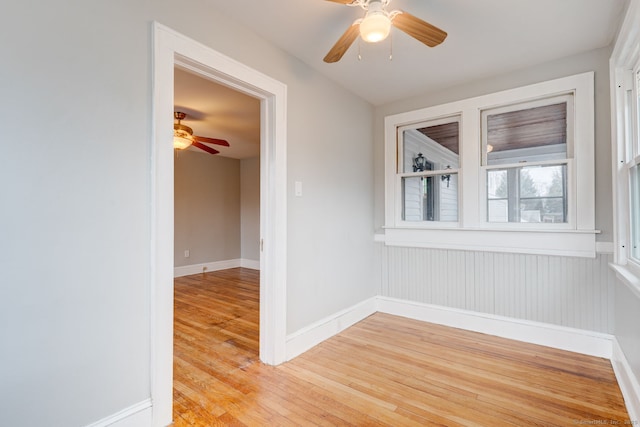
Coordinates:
433 147
430 198
497 196
527 194
531 134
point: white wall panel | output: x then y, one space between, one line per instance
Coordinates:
565 291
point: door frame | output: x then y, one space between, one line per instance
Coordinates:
172 49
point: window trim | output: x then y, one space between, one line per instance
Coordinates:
623 64
472 232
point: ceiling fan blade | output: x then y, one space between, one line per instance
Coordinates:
205 148
343 44
419 29
211 140
342 1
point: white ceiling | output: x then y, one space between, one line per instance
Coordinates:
486 38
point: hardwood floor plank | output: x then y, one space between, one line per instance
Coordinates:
480 379
383 371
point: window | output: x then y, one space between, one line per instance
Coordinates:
625 129
633 164
510 171
629 149
538 135
428 171
635 213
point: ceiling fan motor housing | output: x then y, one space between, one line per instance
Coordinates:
179 127
376 25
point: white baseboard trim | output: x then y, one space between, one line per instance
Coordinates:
187 270
570 339
137 415
312 335
627 381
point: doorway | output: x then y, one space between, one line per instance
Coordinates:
172 49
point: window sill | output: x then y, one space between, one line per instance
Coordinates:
539 242
628 277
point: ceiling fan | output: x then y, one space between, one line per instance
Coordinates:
183 137
376 25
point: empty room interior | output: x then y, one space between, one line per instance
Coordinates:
329 212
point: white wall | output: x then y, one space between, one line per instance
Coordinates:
74 320
207 208
75 223
250 209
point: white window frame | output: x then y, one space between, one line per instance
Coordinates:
623 66
473 232
570 224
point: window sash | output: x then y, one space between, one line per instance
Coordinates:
514 197
433 199
567 98
632 142
444 160
634 212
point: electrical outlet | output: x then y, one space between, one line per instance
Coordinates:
186 253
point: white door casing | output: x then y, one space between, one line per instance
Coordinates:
172 49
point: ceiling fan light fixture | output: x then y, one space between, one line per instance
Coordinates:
375 27
181 139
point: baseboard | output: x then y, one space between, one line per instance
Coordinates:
627 381
314 334
138 415
570 339
187 270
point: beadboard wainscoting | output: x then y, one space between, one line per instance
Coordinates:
565 291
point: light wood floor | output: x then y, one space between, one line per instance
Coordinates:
385 370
